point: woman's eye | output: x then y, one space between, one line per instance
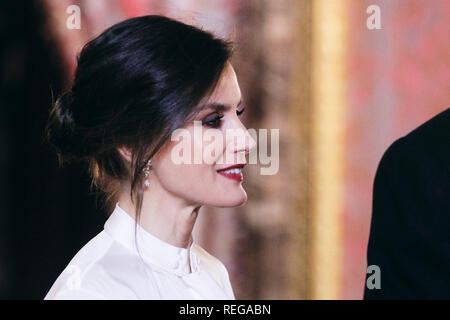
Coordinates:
240 112
214 123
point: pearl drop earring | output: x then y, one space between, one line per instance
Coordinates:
146 171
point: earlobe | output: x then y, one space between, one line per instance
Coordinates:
124 152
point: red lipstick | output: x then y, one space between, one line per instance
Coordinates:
234 174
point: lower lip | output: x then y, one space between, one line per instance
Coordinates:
232 176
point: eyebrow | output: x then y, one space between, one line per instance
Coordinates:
218 106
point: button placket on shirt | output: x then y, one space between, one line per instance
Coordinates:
181 264
195 262
178 263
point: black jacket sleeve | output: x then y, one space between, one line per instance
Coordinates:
410 230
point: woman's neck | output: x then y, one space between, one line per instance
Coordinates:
165 216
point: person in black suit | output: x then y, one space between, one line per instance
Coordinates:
410 230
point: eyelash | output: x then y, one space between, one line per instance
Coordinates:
215 123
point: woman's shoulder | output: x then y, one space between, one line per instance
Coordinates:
90 273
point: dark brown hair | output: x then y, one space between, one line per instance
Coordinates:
134 85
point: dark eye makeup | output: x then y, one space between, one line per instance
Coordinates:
240 112
216 121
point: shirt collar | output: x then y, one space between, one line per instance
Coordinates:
121 227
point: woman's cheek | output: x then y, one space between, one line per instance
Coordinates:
190 179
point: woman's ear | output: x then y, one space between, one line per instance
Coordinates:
125 153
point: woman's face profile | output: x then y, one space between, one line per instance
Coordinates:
199 182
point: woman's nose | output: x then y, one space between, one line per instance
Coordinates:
245 143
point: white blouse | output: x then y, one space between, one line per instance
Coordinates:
109 266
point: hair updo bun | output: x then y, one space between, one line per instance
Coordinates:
134 84
61 131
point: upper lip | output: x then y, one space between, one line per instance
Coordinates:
239 165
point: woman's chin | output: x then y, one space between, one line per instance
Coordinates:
233 200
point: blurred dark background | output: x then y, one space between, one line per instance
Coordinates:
47 213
